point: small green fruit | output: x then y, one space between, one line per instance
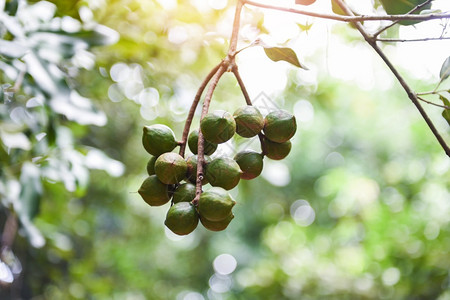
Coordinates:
217 225
215 204
218 127
158 139
249 121
223 172
182 218
250 162
184 193
279 126
151 165
192 169
276 151
209 148
154 192
170 168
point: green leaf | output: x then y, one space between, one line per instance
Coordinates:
285 54
305 27
260 25
15 140
39 70
400 7
29 200
12 49
446 112
99 36
445 69
338 10
11 7
34 236
78 109
31 190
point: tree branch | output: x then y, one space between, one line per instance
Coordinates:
235 71
396 21
433 92
194 105
214 76
432 103
350 18
412 96
201 141
386 40
235 32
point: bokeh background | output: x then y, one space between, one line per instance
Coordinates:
358 210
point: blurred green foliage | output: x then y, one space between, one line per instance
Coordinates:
358 210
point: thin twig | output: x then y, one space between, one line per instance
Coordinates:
432 103
235 71
386 40
194 105
418 7
433 92
253 44
351 18
224 66
412 96
439 83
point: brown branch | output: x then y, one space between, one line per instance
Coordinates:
418 7
433 92
253 44
235 31
386 40
432 103
350 18
194 105
412 96
235 71
9 231
226 64
201 141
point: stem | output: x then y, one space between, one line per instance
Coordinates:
396 21
350 18
437 92
388 40
432 103
438 84
223 67
253 44
201 141
235 71
235 32
412 96
194 105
